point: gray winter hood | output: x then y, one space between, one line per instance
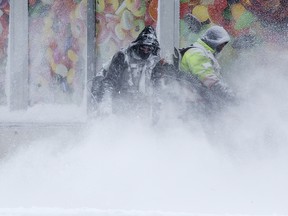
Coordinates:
215 36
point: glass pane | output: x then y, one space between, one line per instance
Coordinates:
118 22
4 31
248 22
57 45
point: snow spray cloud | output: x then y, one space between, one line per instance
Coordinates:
238 166
259 123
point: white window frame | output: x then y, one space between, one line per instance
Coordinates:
17 67
168 18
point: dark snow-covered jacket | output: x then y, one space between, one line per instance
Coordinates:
127 74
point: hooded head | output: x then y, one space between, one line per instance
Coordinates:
146 43
216 37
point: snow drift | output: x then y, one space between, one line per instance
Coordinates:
237 165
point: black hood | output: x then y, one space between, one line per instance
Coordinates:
147 37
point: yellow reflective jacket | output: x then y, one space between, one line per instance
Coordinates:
200 61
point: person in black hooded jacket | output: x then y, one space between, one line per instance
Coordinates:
130 76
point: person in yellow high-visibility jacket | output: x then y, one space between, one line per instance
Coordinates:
199 60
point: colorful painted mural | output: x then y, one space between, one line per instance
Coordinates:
4 31
118 22
57 43
248 21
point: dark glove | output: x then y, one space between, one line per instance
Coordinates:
162 68
222 91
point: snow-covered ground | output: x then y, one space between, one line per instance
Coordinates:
91 212
44 114
119 166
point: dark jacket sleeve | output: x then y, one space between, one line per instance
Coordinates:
112 79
